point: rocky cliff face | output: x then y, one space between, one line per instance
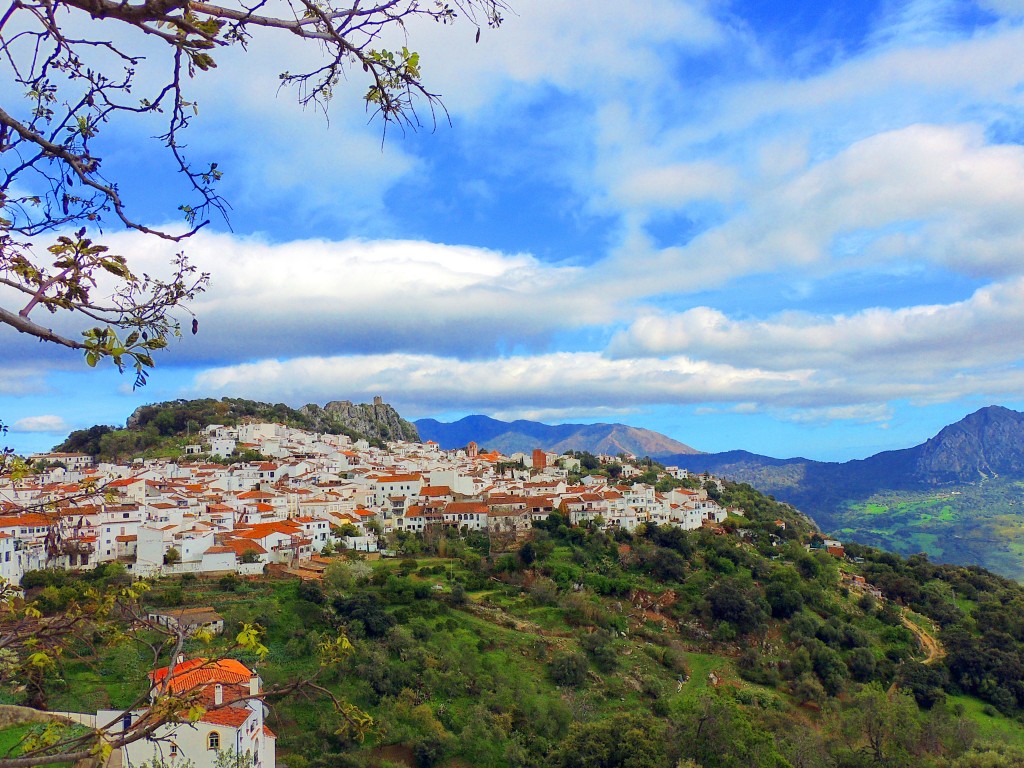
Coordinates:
374 420
986 443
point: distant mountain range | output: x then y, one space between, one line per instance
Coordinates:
958 496
986 444
524 436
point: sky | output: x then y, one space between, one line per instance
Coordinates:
793 228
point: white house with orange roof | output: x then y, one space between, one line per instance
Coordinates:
387 487
234 720
283 541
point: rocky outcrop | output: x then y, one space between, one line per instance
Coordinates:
986 443
376 420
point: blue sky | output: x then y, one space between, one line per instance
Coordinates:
787 227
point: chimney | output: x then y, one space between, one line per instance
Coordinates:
181 658
218 695
254 685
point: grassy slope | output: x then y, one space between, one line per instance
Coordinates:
978 524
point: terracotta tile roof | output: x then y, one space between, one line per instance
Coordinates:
231 716
241 546
458 507
29 519
399 478
254 495
435 490
194 673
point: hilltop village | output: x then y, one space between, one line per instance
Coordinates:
312 493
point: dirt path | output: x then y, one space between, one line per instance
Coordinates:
932 648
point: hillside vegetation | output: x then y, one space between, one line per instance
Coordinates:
163 429
582 648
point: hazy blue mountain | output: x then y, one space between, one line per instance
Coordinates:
958 496
522 435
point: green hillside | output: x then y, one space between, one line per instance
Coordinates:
981 523
581 649
164 429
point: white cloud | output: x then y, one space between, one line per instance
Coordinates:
875 413
47 423
590 50
567 414
328 297
924 340
557 380
586 380
673 185
927 193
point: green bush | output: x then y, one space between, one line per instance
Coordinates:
569 670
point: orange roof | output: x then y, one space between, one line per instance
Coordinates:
435 490
398 478
255 495
457 507
26 519
241 546
230 716
193 673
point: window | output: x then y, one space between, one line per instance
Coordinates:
213 740
174 750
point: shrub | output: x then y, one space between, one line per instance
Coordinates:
568 669
229 582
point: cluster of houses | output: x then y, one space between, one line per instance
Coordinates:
313 491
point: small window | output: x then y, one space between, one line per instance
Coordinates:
174 750
213 740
